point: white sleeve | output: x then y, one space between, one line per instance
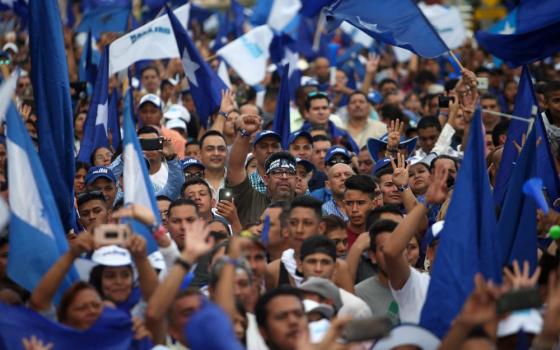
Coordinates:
411 296
170 254
444 140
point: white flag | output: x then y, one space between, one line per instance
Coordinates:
448 23
248 54
153 41
282 12
223 74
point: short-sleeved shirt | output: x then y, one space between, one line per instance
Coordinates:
250 202
330 208
379 299
411 296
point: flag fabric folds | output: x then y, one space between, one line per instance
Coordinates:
88 69
104 19
112 331
51 90
536 35
96 124
113 127
137 185
467 244
546 166
152 41
205 85
398 22
37 237
525 102
517 227
248 55
281 122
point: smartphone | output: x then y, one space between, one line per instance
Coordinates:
366 329
443 101
111 234
225 194
521 299
152 144
78 90
482 83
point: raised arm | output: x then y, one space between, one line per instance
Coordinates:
226 107
44 292
225 288
247 125
393 251
371 69
147 276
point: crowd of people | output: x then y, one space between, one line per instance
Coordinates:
269 247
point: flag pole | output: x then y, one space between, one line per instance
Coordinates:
456 60
509 116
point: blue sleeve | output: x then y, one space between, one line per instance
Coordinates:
117 167
175 180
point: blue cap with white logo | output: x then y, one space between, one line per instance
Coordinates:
266 133
188 162
97 172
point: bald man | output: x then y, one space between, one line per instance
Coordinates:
337 175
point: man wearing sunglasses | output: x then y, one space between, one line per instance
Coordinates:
317 114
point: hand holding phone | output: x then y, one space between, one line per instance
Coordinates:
225 194
111 234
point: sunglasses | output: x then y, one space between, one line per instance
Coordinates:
317 93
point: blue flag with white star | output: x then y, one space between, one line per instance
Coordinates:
205 85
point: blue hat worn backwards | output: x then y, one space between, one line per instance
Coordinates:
375 145
97 172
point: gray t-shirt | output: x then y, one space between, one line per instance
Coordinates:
379 299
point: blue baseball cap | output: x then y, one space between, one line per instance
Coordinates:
188 162
380 164
298 134
337 150
266 133
97 172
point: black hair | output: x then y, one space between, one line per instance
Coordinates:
4 240
162 197
119 204
81 165
362 183
192 143
280 155
450 85
358 92
148 68
317 96
90 196
384 171
381 226
307 202
180 202
146 129
550 87
424 76
500 129
489 96
333 222
261 308
429 122
92 156
392 112
318 244
96 277
387 81
285 205
211 133
443 156
195 181
321 137
373 216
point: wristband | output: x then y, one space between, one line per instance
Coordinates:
223 114
183 263
243 132
158 231
231 261
402 188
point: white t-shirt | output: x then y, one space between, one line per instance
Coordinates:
252 336
353 306
411 296
159 179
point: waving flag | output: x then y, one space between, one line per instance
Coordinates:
283 51
248 55
96 124
525 102
283 12
104 19
205 85
468 241
152 41
113 127
536 35
517 227
398 22
546 166
281 122
51 90
137 185
37 237
88 69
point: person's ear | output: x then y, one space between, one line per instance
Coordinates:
213 203
328 184
371 256
322 228
285 233
265 179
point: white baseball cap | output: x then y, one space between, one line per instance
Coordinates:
176 123
150 98
112 255
177 111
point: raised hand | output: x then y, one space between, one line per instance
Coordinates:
136 245
83 243
480 306
250 122
228 101
400 170
168 149
35 344
394 132
136 211
518 278
228 210
437 192
196 240
372 63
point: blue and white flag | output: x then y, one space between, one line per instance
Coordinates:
96 124
248 55
51 92
104 19
153 41
113 125
138 187
88 69
282 13
281 122
205 85
283 50
37 238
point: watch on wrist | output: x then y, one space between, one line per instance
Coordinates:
403 188
223 114
243 132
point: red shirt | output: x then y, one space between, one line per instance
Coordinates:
351 236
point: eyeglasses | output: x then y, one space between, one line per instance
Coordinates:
194 175
278 174
337 160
